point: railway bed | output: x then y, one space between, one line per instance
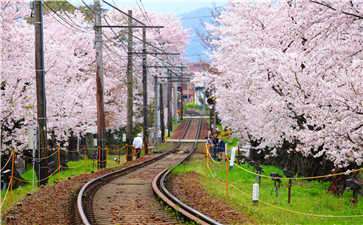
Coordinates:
127 196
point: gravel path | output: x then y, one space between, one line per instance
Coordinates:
129 199
187 188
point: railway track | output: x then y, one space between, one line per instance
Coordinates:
126 196
159 188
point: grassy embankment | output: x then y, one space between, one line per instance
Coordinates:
309 198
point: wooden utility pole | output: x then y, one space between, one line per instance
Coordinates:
181 97
99 88
162 124
169 104
181 102
175 98
41 98
144 87
130 100
214 129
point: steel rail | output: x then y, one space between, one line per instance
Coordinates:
164 194
85 195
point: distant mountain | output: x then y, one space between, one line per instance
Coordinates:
194 21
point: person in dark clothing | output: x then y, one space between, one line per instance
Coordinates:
215 147
220 148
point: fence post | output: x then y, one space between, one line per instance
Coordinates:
98 156
13 155
119 154
59 163
207 154
107 152
227 171
289 191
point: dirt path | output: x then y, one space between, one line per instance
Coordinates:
188 188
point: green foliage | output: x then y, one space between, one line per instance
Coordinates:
87 12
193 106
175 123
307 196
62 6
51 6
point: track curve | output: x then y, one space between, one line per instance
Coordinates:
126 196
159 188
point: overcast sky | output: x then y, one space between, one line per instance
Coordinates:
176 6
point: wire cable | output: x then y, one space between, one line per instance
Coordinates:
10 157
279 207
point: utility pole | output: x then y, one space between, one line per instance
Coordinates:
130 100
41 98
181 97
169 104
214 119
162 122
175 99
99 88
144 87
157 108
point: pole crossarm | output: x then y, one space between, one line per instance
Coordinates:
174 77
156 53
175 81
179 67
138 21
179 80
126 26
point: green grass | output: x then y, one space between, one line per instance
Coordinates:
84 166
307 196
163 147
175 123
195 107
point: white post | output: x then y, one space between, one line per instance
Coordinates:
255 192
233 156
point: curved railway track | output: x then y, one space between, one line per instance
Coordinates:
126 197
159 188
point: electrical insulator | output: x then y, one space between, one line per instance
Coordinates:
211 100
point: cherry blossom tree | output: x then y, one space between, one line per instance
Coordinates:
292 72
16 88
70 70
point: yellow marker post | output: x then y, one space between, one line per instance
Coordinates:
206 154
98 156
119 153
227 171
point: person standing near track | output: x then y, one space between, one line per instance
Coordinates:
138 143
